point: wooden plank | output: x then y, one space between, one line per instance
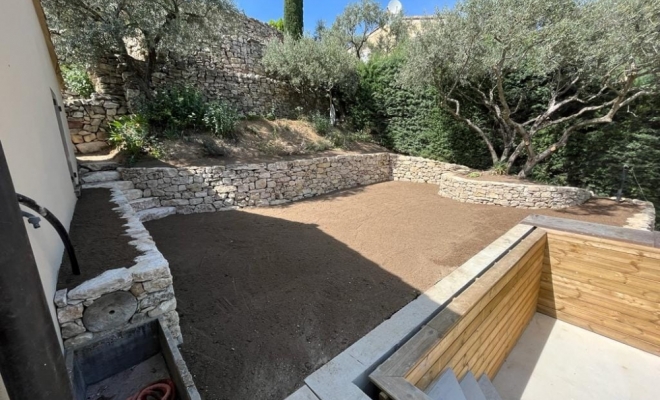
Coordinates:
625 324
492 327
574 293
476 298
642 267
600 243
528 302
601 330
643 238
636 287
471 334
613 296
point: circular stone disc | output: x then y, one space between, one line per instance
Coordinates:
110 311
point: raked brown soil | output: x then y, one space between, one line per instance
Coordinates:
267 296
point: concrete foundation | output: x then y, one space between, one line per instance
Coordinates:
557 361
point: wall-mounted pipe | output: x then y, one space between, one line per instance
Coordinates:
61 230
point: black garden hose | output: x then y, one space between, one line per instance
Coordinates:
64 235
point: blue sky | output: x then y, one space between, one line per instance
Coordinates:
327 10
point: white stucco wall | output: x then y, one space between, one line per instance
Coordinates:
30 134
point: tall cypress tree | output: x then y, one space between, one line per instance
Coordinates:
293 17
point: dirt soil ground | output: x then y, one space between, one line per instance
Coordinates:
267 296
98 237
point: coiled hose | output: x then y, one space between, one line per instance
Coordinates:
64 235
161 390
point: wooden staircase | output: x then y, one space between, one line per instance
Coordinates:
447 387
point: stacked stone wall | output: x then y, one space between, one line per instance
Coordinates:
421 170
123 296
519 195
89 119
208 189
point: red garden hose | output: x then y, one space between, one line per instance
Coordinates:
161 390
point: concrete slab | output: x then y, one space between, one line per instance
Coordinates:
557 361
304 393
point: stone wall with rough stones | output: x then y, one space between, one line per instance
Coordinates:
89 118
122 296
519 195
208 189
643 220
421 170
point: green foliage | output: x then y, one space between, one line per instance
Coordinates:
131 135
410 121
321 123
87 30
77 80
309 64
175 108
589 60
277 24
293 18
221 119
474 175
357 22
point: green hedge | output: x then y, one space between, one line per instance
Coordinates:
410 122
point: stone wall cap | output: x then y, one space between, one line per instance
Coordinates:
109 281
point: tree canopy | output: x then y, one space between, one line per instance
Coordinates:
578 63
136 30
293 18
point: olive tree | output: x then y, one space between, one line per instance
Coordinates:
356 24
135 30
319 65
588 59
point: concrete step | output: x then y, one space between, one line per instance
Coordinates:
99 165
488 389
145 203
471 388
121 185
155 213
101 176
132 194
446 387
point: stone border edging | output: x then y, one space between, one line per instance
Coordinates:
644 220
149 281
518 195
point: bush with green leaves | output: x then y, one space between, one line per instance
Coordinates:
221 119
321 123
77 80
130 134
175 108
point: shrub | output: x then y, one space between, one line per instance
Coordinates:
321 123
131 135
77 81
221 119
176 107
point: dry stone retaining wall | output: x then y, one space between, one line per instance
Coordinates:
121 296
421 170
208 189
517 195
89 118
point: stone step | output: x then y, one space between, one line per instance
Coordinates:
446 388
101 176
99 165
488 389
121 185
471 388
153 214
145 203
132 194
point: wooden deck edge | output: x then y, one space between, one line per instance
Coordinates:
634 236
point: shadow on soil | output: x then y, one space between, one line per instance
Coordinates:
264 302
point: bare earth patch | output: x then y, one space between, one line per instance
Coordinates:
267 296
